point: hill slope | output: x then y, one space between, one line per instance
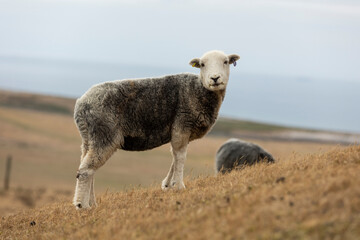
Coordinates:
65 106
316 196
44 146
39 133
223 127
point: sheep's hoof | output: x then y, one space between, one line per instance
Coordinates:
178 185
92 204
165 185
173 185
81 206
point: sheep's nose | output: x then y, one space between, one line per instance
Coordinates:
215 79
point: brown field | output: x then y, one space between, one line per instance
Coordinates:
45 148
305 197
319 197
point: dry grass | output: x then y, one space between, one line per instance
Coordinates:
301 197
17 199
46 148
304 195
46 151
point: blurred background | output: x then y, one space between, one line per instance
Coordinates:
295 88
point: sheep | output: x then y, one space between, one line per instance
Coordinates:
141 114
235 153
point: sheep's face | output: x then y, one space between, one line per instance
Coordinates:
214 69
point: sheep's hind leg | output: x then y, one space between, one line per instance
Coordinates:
92 201
84 192
166 182
84 150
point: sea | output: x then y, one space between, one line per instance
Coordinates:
292 101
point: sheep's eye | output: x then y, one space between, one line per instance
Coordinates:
203 65
226 62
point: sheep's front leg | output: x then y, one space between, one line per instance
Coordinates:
174 179
179 162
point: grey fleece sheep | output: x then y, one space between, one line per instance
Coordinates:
141 114
235 153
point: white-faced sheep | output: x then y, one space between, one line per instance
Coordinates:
142 114
235 153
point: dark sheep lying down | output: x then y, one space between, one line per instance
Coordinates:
235 153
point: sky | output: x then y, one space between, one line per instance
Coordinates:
318 39
301 40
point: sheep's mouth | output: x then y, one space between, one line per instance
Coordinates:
216 84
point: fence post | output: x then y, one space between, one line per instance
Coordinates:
7 173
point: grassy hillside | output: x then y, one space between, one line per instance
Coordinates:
45 147
229 126
66 106
307 193
301 197
37 102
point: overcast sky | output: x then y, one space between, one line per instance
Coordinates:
309 39
299 61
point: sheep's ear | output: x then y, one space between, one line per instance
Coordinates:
233 58
195 62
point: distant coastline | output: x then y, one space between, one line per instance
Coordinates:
290 101
224 127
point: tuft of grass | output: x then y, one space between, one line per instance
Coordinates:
301 197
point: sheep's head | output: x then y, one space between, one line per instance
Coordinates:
214 69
